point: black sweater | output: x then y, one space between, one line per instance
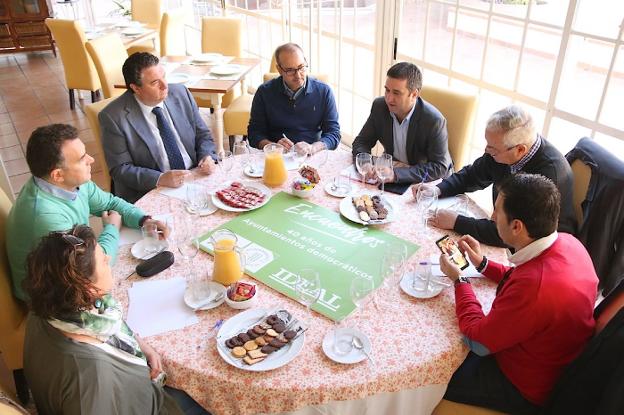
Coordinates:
547 161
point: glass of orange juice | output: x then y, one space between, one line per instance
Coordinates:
274 167
229 261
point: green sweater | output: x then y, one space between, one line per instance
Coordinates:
37 213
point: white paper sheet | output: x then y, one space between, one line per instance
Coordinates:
129 236
158 307
175 192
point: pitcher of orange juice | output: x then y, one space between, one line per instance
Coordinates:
274 167
229 261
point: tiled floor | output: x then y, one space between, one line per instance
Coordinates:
33 94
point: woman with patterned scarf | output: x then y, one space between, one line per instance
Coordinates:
80 357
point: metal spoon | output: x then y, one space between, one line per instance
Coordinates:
357 343
216 299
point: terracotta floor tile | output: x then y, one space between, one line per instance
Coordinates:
66 115
18 181
16 167
4 118
7 129
9 140
23 137
30 125
27 113
86 136
11 153
80 124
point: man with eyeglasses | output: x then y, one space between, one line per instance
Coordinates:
61 195
294 109
412 130
513 146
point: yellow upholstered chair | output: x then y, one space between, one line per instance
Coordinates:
582 175
12 312
172 40
108 54
148 12
80 72
222 35
459 109
92 112
453 408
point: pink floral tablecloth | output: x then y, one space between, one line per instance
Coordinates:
414 342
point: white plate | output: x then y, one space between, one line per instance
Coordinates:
255 185
138 249
348 210
206 58
406 286
133 31
178 78
241 323
355 355
215 289
229 69
339 192
257 171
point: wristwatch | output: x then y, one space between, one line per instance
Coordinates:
462 279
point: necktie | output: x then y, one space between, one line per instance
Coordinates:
168 137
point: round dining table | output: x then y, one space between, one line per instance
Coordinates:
416 343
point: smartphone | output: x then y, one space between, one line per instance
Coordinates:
449 246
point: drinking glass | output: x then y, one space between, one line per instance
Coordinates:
300 152
364 165
426 198
188 247
360 288
383 169
241 150
341 185
421 276
196 198
226 161
318 159
308 288
151 244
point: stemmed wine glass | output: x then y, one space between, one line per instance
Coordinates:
383 169
360 288
364 165
188 247
308 288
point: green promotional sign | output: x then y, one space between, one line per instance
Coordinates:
289 234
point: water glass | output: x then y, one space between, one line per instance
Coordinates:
426 198
242 151
421 277
196 198
360 288
300 152
341 185
318 159
342 340
226 161
151 244
308 287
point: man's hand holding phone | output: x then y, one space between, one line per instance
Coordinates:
471 248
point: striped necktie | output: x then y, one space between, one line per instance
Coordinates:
168 138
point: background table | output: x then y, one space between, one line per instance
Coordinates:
416 343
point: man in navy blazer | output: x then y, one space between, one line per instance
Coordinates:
410 129
153 133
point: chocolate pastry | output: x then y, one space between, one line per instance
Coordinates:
279 327
259 330
235 341
244 337
265 326
276 343
268 349
229 344
272 319
252 334
290 334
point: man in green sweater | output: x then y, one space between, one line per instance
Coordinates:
61 195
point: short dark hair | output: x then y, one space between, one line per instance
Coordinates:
287 47
534 200
60 272
409 71
134 65
43 152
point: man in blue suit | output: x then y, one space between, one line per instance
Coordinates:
153 133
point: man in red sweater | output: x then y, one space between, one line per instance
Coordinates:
542 315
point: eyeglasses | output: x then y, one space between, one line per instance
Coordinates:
291 71
70 239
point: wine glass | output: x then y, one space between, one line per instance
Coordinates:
383 169
318 159
426 198
308 288
364 165
360 288
226 161
188 247
300 152
241 150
